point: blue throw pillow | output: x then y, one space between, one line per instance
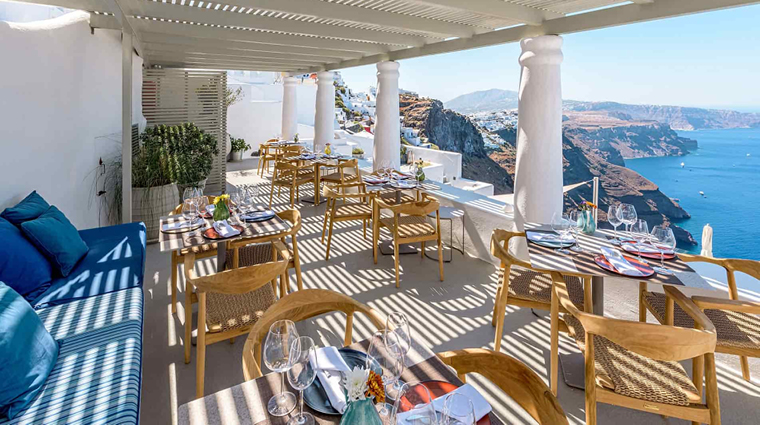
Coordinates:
57 239
22 267
28 209
27 350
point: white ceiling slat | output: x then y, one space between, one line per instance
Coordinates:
498 8
176 57
172 48
152 37
333 10
193 14
199 31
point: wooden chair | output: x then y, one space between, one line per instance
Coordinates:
267 155
736 321
341 176
229 304
358 207
200 252
244 253
513 377
522 286
635 365
291 176
299 306
408 225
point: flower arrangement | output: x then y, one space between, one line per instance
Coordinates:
221 207
328 150
375 387
363 384
419 173
295 138
587 206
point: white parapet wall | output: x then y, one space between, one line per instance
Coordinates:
451 161
60 112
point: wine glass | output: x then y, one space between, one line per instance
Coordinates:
575 226
614 218
188 193
561 225
277 346
640 233
399 339
457 410
379 353
628 215
664 240
201 201
189 210
414 406
303 370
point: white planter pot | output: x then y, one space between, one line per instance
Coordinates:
237 156
149 204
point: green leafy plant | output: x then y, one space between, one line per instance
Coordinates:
182 154
295 138
239 145
151 163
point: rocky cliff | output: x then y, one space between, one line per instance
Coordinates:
454 132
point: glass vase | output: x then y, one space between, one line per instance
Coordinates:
361 412
588 225
221 211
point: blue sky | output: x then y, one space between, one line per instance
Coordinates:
706 60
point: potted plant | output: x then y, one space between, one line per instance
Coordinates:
357 153
238 147
153 192
192 152
295 138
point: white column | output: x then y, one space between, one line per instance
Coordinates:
387 128
289 108
126 127
325 114
538 173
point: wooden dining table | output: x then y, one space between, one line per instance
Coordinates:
174 241
246 403
547 259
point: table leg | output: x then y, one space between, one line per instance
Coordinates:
573 364
221 256
315 199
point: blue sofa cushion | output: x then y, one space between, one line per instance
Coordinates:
22 267
97 377
58 240
115 261
27 352
29 208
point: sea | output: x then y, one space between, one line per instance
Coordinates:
726 168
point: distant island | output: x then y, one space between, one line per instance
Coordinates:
677 117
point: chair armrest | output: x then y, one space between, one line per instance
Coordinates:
503 254
689 307
741 306
693 258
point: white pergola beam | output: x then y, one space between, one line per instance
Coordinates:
498 8
361 15
159 58
218 17
159 49
221 67
126 126
245 46
200 31
114 6
604 18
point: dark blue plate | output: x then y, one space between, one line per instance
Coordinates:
255 216
315 396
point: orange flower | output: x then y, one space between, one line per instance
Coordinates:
375 387
590 204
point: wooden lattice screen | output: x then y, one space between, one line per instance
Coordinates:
175 96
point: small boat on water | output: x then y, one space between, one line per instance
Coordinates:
683 164
702 193
748 155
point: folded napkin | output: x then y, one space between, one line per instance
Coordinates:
370 180
619 262
550 237
330 365
210 209
480 406
646 249
225 230
179 225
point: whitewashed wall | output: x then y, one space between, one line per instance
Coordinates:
257 117
60 112
451 161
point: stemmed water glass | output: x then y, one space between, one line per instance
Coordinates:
561 225
664 240
398 339
575 225
414 398
614 218
457 410
303 370
379 353
628 215
640 233
201 201
277 346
